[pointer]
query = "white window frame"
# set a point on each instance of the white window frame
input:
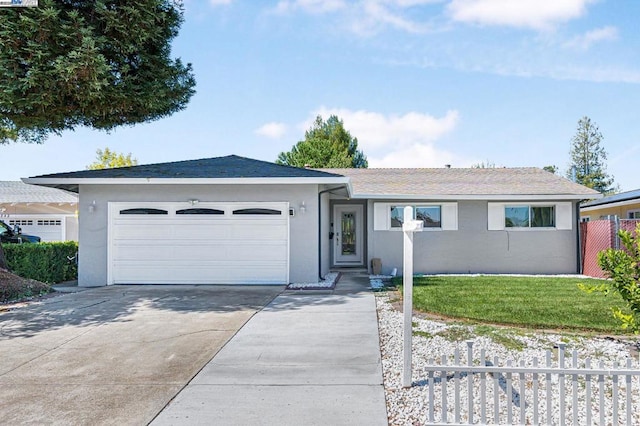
(530, 207)
(635, 213)
(585, 219)
(563, 219)
(448, 216)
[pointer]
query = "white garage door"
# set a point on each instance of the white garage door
(47, 228)
(205, 243)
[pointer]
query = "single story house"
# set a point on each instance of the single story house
(46, 212)
(625, 205)
(231, 219)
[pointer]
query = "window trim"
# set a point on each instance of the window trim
(635, 212)
(564, 216)
(415, 211)
(448, 215)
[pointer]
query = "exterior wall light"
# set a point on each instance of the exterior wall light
(302, 208)
(92, 206)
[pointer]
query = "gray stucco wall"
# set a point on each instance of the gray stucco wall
(325, 225)
(93, 227)
(474, 249)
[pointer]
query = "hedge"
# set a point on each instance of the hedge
(46, 262)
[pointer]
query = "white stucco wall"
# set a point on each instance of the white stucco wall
(93, 227)
(474, 249)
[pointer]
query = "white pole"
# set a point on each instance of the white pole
(407, 304)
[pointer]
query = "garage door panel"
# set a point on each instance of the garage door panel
(204, 273)
(191, 249)
(271, 251)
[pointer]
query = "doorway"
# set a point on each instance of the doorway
(348, 241)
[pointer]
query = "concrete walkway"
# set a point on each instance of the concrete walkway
(305, 359)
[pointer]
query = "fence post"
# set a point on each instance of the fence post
(561, 347)
(470, 379)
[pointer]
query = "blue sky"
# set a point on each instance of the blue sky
(420, 83)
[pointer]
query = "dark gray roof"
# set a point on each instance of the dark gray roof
(623, 196)
(18, 192)
(231, 166)
(458, 181)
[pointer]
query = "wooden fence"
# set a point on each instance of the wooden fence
(483, 392)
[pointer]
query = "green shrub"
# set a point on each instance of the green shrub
(46, 262)
(623, 268)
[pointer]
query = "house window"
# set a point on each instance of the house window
(585, 219)
(20, 222)
(529, 217)
(633, 214)
(49, 222)
(429, 215)
(143, 211)
(257, 211)
(199, 211)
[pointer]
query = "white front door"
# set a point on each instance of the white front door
(348, 231)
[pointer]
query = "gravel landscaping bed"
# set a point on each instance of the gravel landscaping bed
(433, 339)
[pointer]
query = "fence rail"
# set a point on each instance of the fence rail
(532, 394)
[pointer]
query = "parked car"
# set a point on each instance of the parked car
(15, 235)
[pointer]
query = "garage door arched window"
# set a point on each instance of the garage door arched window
(200, 211)
(256, 211)
(143, 211)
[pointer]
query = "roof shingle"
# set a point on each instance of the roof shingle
(18, 192)
(461, 181)
(231, 166)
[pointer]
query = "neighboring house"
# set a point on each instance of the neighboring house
(625, 205)
(46, 212)
(234, 220)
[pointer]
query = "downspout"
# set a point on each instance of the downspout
(320, 228)
(578, 239)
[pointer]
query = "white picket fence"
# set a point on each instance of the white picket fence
(571, 392)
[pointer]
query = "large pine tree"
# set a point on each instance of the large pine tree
(327, 144)
(588, 157)
(95, 63)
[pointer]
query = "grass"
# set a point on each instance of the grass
(529, 302)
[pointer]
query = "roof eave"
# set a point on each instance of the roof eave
(599, 206)
(72, 184)
(496, 197)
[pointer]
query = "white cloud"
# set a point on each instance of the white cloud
(272, 130)
(397, 140)
(310, 6)
(220, 2)
(586, 40)
(364, 17)
(536, 14)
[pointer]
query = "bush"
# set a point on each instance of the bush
(46, 262)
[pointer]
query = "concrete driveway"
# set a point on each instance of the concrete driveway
(114, 355)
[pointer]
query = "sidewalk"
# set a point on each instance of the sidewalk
(305, 359)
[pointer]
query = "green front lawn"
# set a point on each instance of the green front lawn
(531, 302)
